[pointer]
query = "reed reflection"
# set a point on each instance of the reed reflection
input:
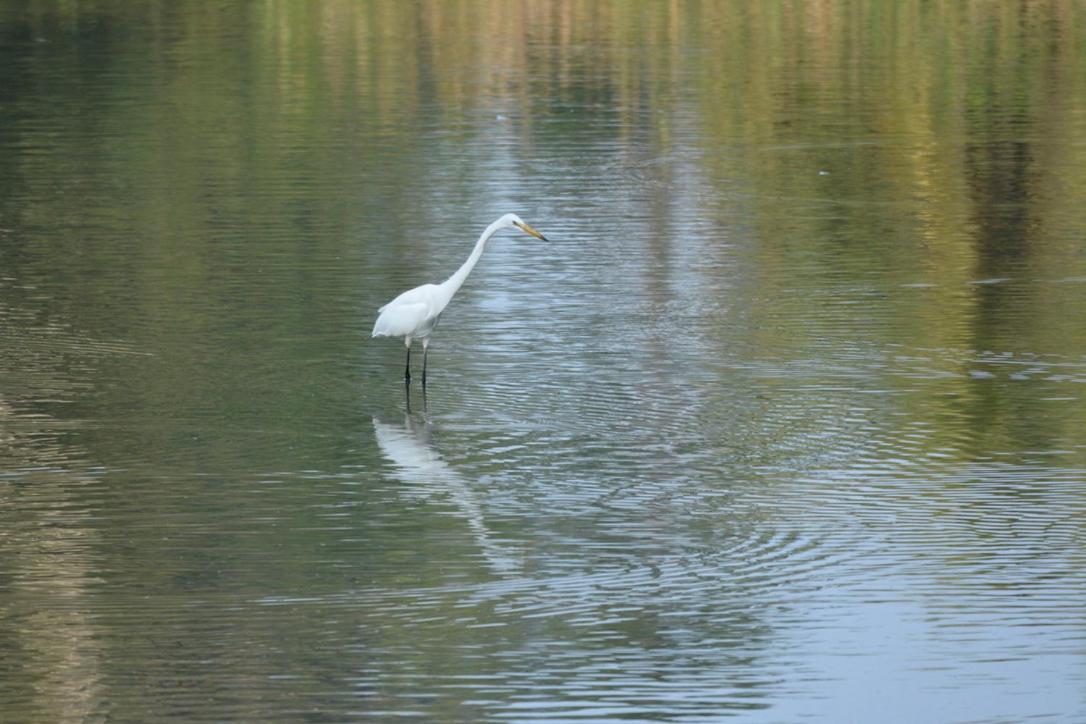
(52, 669)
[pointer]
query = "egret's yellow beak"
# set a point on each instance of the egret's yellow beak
(529, 230)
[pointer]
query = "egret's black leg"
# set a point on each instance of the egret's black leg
(407, 368)
(425, 349)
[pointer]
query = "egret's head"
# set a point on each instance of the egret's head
(514, 220)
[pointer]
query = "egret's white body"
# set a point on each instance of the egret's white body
(414, 314)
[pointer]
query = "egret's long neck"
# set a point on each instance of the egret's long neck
(454, 282)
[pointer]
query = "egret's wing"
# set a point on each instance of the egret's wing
(406, 313)
(424, 294)
(399, 319)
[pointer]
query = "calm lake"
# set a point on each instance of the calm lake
(787, 421)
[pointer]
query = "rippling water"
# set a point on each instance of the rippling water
(786, 422)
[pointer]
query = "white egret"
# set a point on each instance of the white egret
(414, 314)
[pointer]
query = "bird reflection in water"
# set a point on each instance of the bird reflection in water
(407, 402)
(429, 477)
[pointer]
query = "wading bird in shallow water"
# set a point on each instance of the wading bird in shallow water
(414, 314)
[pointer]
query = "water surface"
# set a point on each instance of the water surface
(786, 423)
